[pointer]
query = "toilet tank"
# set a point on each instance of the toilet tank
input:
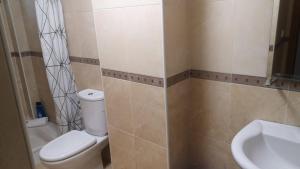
(93, 111)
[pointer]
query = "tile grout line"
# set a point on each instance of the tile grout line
(134, 136)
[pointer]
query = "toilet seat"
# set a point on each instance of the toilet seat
(67, 146)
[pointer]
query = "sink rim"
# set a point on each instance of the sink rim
(260, 127)
(251, 130)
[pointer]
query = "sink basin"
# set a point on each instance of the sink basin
(267, 145)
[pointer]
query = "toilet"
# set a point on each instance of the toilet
(80, 149)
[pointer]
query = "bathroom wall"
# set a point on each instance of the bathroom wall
(28, 59)
(21, 37)
(228, 37)
(229, 44)
(12, 132)
(130, 43)
(35, 78)
(81, 36)
(178, 61)
(82, 47)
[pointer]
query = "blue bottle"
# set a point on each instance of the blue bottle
(40, 110)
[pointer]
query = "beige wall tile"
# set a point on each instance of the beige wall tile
(211, 104)
(150, 156)
(211, 154)
(176, 37)
(14, 148)
(31, 81)
(117, 99)
(77, 6)
(179, 109)
(81, 34)
(18, 24)
(252, 36)
(211, 34)
(21, 88)
(227, 36)
(131, 39)
(25, 24)
(30, 23)
(87, 76)
(250, 103)
(293, 111)
(107, 4)
(122, 146)
(222, 107)
(43, 87)
(149, 115)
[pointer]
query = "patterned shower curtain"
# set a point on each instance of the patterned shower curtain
(57, 63)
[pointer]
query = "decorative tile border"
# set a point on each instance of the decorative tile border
(149, 80)
(200, 74)
(27, 53)
(281, 84)
(90, 61)
(248, 80)
(178, 78)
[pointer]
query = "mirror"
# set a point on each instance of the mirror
(286, 49)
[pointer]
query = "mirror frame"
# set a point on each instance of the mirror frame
(276, 6)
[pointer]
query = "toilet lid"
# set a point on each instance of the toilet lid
(67, 146)
(91, 95)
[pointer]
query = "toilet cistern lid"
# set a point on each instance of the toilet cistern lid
(91, 95)
(67, 146)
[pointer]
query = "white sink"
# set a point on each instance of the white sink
(267, 145)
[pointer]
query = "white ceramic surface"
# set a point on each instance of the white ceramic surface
(67, 146)
(91, 95)
(89, 158)
(267, 145)
(93, 111)
(40, 136)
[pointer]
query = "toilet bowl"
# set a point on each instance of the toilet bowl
(80, 149)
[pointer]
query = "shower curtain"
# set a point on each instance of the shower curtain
(57, 63)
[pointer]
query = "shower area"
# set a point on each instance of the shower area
(35, 37)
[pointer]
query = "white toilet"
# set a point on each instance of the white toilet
(80, 149)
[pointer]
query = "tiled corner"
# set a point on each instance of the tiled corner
(179, 109)
(208, 75)
(178, 78)
(211, 105)
(176, 36)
